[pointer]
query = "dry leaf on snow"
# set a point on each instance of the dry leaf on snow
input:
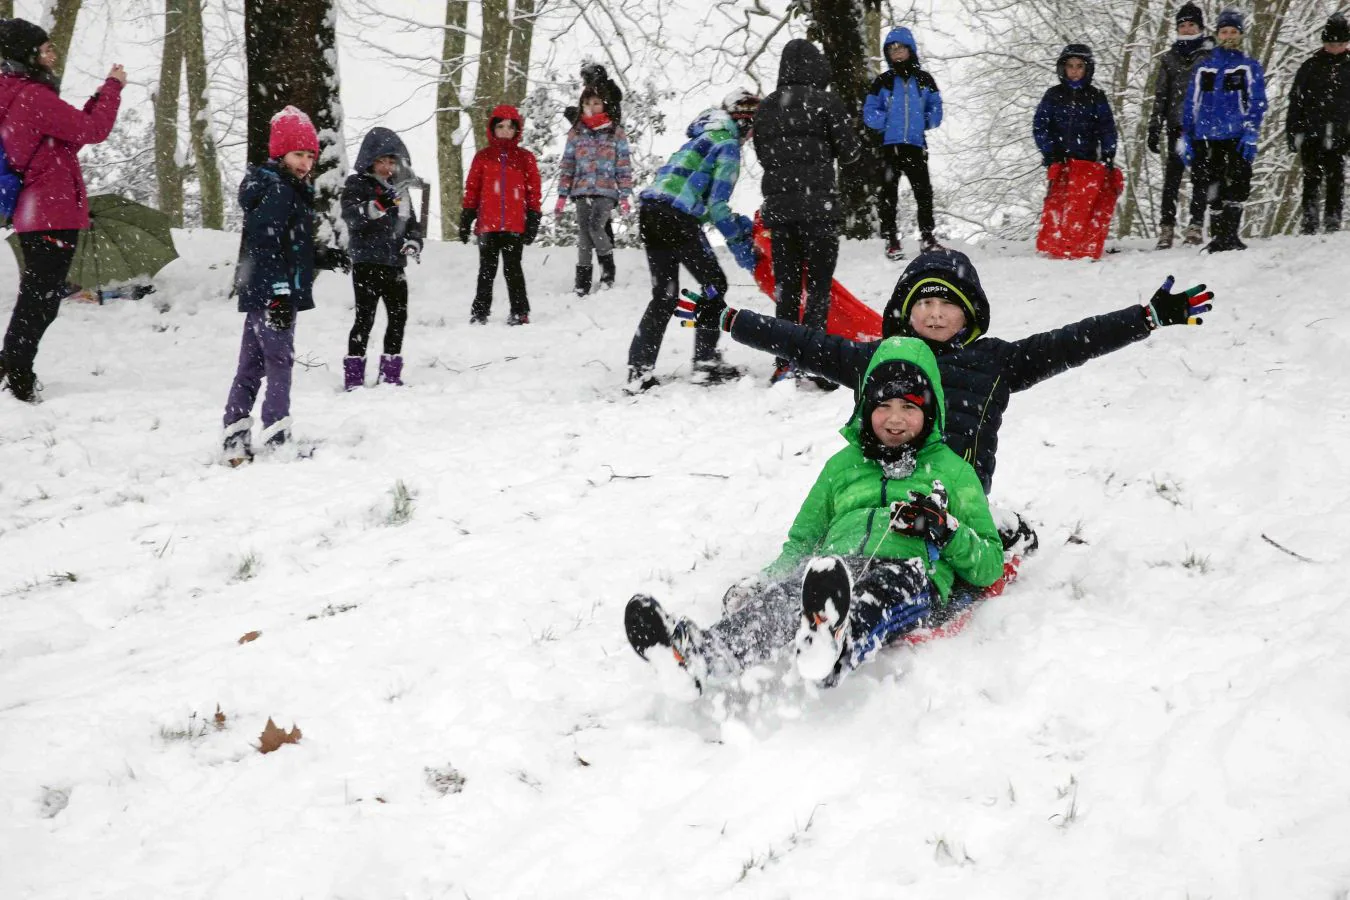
(250, 637)
(273, 737)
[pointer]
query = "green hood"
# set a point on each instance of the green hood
(902, 350)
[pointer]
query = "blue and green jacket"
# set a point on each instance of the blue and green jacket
(699, 178)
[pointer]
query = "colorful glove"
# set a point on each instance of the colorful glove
(708, 311)
(280, 313)
(560, 206)
(1166, 308)
(1247, 147)
(1185, 152)
(744, 252)
(925, 516)
(624, 206)
(412, 248)
(466, 224)
(531, 225)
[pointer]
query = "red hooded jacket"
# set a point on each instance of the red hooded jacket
(503, 180)
(42, 135)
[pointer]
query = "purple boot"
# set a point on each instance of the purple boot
(391, 370)
(353, 372)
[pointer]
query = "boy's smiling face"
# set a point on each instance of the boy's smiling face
(896, 421)
(936, 319)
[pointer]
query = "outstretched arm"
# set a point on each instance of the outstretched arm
(818, 353)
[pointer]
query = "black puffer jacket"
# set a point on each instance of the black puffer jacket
(979, 377)
(1169, 88)
(379, 239)
(800, 130)
(1319, 105)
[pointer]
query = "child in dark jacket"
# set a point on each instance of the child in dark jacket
(501, 195)
(1074, 119)
(383, 233)
(274, 280)
(1164, 125)
(595, 172)
(903, 104)
(893, 521)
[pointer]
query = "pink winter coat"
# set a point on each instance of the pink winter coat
(42, 135)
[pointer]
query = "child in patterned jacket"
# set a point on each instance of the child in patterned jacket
(597, 175)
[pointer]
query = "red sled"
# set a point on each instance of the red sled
(849, 317)
(964, 609)
(1079, 202)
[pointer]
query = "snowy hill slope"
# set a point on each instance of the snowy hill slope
(1159, 708)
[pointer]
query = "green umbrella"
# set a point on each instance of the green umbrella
(125, 240)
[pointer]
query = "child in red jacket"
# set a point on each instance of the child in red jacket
(502, 194)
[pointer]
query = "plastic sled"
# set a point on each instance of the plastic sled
(1080, 199)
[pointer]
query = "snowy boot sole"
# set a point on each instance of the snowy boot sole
(827, 589)
(653, 635)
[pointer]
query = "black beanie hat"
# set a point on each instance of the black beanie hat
(896, 378)
(20, 40)
(1337, 30)
(1189, 12)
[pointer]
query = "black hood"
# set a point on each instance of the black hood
(952, 267)
(1083, 52)
(803, 63)
(381, 142)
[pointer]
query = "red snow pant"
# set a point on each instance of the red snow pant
(1079, 201)
(849, 317)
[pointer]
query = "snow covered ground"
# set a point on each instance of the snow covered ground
(1158, 709)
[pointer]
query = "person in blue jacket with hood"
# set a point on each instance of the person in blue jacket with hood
(1074, 119)
(1221, 122)
(903, 104)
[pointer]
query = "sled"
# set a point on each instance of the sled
(1080, 199)
(849, 317)
(963, 608)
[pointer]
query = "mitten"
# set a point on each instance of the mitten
(1154, 140)
(1185, 152)
(925, 516)
(280, 313)
(1247, 147)
(560, 206)
(384, 201)
(332, 259)
(466, 224)
(412, 248)
(1166, 308)
(531, 225)
(744, 253)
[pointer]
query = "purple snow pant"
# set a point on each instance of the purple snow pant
(263, 353)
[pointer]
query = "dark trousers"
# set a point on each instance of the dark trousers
(510, 247)
(804, 257)
(1322, 164)
(47, 256)
(1173, 172)
(1226, 175)
(911, 162)
(673, 239)
(372, 284)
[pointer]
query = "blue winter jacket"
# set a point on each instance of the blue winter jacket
(1074, 121)
(903, 102)
(1226, 99)
(277, 255)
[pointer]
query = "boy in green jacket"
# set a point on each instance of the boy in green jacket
(893, 519)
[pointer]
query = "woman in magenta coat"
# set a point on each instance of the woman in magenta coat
(42, 135)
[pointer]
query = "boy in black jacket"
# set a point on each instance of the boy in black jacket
(383, 233)
(1318, 127)
(1169, 96)
(939, 299)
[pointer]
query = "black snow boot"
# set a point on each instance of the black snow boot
(1228, 222)
(606, 270)
(822, 635)
(583, 286)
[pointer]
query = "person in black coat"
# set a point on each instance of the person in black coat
(1169, 99)
(940, 300)
(1318, 126)
(382, 233)
(799, 131)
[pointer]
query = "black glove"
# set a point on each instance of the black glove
(1154, 141)
(531, 225)
(384, 201)
(1185, 308)
(925, 517)
(332, 259)
(280, 313)
(466, 224)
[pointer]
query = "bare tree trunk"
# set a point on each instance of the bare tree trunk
(199, 111)
(59, 21)
(292, 60)
(838, 26)
(449, 152)
(492, 57)
(1136, 150)
(6, 9)
(518, 58)
(168, 170)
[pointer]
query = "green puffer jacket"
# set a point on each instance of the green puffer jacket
(847, 512)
